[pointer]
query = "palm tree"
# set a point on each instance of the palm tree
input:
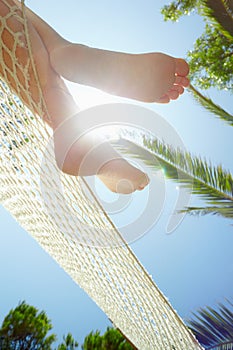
(213, 184)
(220, 14)
(213, 327)
(212, 51)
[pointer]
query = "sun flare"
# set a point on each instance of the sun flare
(87, 97)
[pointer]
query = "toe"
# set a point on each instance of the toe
(144, 182)
(173, 94)
(182, 67)
(177, 88)
(164, 99)
(183, 81)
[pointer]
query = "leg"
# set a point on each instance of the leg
(153, 77)
(16, 58)
(15, 53)
(60, 106)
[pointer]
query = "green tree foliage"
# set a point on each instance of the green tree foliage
(92, 341)
(178, 8)
(213, 327)
(68, 343)
(112, 339)
(211, 59)
(24, 328)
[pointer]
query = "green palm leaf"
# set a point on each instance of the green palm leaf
(213, 328)
(213, 184)
(226, 212)
(210, 106)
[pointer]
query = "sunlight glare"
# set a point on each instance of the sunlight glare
(87, 97)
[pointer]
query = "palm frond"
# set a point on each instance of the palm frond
(219, 12)
(213, 327)
(210, 106)
(222, 346)
(226, 212)
(213, 184)
(209, 181)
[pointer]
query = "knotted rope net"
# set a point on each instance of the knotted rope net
(61, 213)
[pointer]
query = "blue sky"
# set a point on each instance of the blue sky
(193, 266)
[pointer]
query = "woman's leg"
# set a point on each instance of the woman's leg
(152, 77)
(108, 165)
(15, 53)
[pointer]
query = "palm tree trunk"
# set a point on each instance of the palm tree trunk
(222, 12)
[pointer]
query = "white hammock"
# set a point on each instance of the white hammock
(69, 223)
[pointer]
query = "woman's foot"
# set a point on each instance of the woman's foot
(87, 155)
(81, 153)
(150, 77)
(126, 179)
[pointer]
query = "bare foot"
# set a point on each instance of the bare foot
(150, 77)
(86, 154)
(126, 179)
(85, 158)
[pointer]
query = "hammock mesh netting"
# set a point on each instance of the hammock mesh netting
(61, 213)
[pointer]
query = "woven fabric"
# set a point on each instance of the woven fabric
(61, 213)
